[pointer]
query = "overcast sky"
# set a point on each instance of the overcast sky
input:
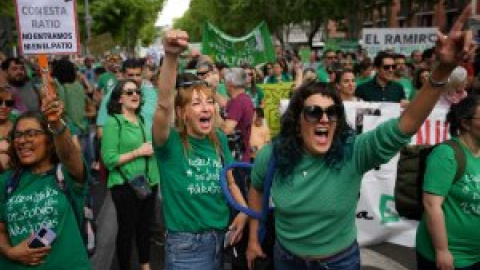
(172, 9)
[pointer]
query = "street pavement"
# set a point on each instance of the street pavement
(383, 256)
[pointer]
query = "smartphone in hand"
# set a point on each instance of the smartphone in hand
(44, 237)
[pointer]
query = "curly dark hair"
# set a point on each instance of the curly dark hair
(41, 119)
(114, 106)
(288, 144)
(464, 110)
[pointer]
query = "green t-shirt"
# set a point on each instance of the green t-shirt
(192, 197)
(116, 142)
(407, 87)
(461, 206)
(222, 89)
(106, 82)
(73, 95)
(257, 97)
(315, 206)
(359, 80)
(322, 75)
(38, 200)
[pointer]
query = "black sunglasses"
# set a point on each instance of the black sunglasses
(199, 73)
(130, 92)
(314, 113)
(385, 67)
(7, 102)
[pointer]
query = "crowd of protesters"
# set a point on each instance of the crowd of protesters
(178, 122)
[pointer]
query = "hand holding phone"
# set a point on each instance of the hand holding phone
(44, 237)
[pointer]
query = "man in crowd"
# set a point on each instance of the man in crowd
(238, 114)
(382, 88)
(329, 59)
(26, 96)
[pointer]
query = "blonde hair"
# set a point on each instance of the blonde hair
(182, 99)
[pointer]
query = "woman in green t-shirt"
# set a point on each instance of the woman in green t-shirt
(35, 198)
(127, 153)
(190, 158)
(448, 236)
(320, 162)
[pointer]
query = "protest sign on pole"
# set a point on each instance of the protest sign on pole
(253, 48)
(400, 40)
(274, 93)
(47, 27)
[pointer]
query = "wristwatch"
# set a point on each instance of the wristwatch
(436, 84)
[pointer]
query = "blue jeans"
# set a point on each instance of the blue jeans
(194, 251)
(348, 259)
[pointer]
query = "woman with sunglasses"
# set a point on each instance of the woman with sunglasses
(190, 157)
(319, 164)
(35, 198)
(6, 125)
(127, 152)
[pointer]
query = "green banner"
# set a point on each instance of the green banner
(346, 45)
(254, 48)
(273, 94)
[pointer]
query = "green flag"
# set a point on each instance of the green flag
(254, 48)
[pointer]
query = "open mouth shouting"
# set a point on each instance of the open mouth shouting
(206, 123)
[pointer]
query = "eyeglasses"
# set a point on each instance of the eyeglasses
(314, 113)
(130, 92)
(191, 83)
(249, 74)
(389, 67)
(7, 102)
(29, 134)
(331, 57)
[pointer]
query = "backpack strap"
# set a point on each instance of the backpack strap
(459, 157)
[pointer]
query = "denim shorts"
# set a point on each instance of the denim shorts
(193, 251)
(348, 259)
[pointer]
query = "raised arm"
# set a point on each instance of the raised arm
(450, 51)
(69, 154)
(175, 42)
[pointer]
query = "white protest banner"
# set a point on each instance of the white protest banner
(401, 40)
(47, 27)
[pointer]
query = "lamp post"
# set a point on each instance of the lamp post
(88, 25)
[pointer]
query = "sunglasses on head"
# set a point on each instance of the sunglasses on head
(389, 67)
(7, 102)
(315, 113)
(191, 83)
(130, 92)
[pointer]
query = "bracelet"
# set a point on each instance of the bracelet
(436, 84)
(56, 132)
